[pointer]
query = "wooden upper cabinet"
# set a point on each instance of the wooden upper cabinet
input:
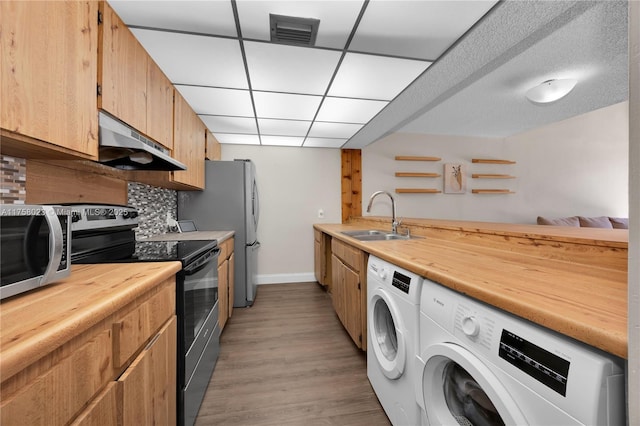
(132, 86)
(49, 73)
(213, 150)
(189, 144)
(159, 105)
(123, 71)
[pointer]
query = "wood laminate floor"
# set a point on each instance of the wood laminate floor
(287, 360)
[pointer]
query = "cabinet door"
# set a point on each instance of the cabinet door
(122, 72)
(346, 298)
(148, 387)
(317, 260)
(102, 411)
(223, 293)
(188, 147)
(159, 106)
(213, 150)
(353, 318)
(232, 281)
(49, 72)
(338, 295)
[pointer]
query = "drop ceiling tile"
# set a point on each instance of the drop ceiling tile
(283, 127)
(291, 69)
(337, 18)
(194, 59)
(214, 101)
(347, 110)
(324, 142)
(207, 17)
(286, 106)
(282, 140)
(374, 77)
(416, 29)
(236, 139)
(224, 124)
(333, 130)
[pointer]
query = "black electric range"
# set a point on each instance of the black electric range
(106, 234)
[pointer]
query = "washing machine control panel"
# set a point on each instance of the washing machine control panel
(537, 362)
(401, 282)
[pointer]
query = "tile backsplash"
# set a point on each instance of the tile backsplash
(154, 205)
(14, 180)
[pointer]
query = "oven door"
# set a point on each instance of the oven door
(199, 343)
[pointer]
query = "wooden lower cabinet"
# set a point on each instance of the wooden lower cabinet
(223, 293)
(147, 389)
(349, 290)
(232, 281)
(322, 258)
(226, 282)
(103, 410)
(122, 371)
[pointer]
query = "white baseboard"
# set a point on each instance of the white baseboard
(286, 278)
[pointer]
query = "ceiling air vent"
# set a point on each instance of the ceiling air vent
(293, 30)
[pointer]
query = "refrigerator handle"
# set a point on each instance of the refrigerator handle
(256, 206)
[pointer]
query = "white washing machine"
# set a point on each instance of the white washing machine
(482, 366)
(393, 309)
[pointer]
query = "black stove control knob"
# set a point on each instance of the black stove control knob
(75, 217)
(125, 214)
(133, 214)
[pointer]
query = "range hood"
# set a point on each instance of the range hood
(124, 148)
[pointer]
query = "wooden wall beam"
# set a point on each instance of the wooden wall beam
(351, 183)
(59, 181)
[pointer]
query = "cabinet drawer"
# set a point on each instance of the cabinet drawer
(351, 256)
(102, 411)
(136, 327)
(46, 402)
(226, 248)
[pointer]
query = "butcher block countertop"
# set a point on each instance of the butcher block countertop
(219, 236)
(588, 303)
(35, 323)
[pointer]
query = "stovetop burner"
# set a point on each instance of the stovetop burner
(183, 251)
(105, 234)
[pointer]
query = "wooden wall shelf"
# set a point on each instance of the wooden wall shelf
(491, 176)
(412, 158)
(417, 174)
(417, 191)
(492, 191)
(490, 161)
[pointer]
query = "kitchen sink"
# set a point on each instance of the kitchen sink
(362, 232)
(376, 235)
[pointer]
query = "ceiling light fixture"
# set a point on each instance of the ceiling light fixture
(550, 90)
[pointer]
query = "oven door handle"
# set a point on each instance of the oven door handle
(202, 262)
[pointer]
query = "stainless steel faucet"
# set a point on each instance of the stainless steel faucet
(394, 222)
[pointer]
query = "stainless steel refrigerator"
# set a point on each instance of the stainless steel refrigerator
(229, 202)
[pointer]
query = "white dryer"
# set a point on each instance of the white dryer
(393, 308)
(483, 366)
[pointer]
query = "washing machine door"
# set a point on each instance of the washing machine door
(386, 333)
(458, 388)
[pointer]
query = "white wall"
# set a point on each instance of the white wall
(577, 166)
(293, 184)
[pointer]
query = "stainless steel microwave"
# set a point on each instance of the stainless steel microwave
(36, 246)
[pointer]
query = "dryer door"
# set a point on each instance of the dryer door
(457, 388)
(386, 333)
